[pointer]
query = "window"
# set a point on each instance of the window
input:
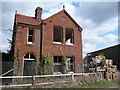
(30, 36)
(69, 36)
(29, 56)
(57, 38)
(57, 63)
(70, 64)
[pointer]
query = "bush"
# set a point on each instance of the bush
(45, 66)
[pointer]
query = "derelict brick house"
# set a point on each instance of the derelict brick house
(61, 35)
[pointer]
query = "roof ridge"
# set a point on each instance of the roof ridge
(67, 15)
(53, 15)
(24, 15)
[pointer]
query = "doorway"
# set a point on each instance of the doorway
(29, 65)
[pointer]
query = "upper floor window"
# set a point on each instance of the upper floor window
(57, 38)
(30, 36)
(69, 36)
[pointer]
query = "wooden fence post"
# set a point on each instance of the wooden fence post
(96, 76)
(33, 80)
(72, 77)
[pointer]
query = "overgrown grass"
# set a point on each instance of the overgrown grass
(101, 84)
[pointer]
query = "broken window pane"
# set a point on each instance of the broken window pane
(57, 34)
(70, 64)
(69, 36)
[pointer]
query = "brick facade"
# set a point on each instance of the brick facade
(63, 19)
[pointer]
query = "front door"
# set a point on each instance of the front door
(29, 65)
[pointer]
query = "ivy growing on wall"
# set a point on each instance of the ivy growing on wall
(16, 63)
(45, 66)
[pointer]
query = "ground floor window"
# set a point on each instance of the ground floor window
(69, 63)
(57, 63)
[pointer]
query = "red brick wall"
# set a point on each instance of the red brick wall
(63, 49)
(48, 47)
(24, 48)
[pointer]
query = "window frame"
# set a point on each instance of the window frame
(66, 36)
(69, 64)
(57, 64)
(56, 42)
(28, 35)
(27, 59)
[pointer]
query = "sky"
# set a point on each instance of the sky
(99, 21)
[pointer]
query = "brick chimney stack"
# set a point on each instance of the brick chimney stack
(38, 13)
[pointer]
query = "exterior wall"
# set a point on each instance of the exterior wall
(62, 49)
(23, 47)
(60, 19)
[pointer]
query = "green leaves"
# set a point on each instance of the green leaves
(45, 66)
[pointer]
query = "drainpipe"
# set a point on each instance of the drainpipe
(41, 37)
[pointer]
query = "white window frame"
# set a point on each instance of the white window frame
(28, 42)
(57, 65)
(69, 64)
(72, 37)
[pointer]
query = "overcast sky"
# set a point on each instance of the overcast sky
(99, 20)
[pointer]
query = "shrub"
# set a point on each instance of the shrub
(45, 66)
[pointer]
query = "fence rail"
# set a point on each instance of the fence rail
(18, 81)
(7, 72)
(85, 74)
